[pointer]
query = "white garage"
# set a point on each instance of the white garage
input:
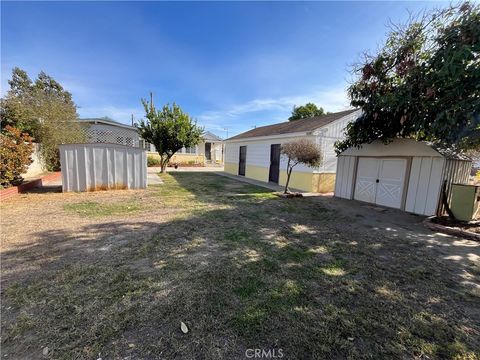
(405, 174)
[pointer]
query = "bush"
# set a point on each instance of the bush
(153, 161)
(16, 149)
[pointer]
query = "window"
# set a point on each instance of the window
(191, 150)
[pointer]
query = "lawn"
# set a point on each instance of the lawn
(112, 275)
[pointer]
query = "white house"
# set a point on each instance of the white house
(405, 174)
(208, 151)
(105, 130)
(256, 153)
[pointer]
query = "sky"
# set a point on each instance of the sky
(230, 65)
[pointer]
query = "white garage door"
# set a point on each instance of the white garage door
(380, 181)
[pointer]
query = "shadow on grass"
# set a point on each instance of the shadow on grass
(248, 270)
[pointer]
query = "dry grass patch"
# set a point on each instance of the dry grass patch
(240, 266)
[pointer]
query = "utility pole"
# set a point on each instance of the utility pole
(132, 120)
(151, 101)
(226, 129)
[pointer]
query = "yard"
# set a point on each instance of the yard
(112, 274)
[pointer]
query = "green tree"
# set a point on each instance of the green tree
(423, 84)
(306, 111)
(168, 129)
(43, 109)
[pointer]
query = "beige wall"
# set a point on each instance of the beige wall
(36, 167)
(310, 182)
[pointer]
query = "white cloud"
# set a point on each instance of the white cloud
(236, 117)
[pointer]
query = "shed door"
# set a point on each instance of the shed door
(380, 181)
(366, 187)
(242, 160)
(274, 163)
(391, 178)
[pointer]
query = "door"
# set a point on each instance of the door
(380, 181)
(242, 160)
(208, 151)
(366, 187)
(391, 179)
(274, 163)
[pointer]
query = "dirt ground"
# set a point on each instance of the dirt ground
(112, 274)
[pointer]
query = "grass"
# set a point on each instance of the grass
(97, 209)
(243, 269)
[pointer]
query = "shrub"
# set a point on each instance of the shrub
(300, 151)
(153, 161)
(16, 149)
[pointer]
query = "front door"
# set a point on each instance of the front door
(274, 163)
(380, 181)
(242, 160)
(208, 151)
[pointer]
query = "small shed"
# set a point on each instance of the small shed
(90, 167)
(404, 174)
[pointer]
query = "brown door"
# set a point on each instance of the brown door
(274, 163)
(242, 160)
(208, 151)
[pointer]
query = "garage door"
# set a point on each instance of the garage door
(380, 181)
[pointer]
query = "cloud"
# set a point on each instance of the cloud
(237, 116)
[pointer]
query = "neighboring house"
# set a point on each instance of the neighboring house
(256, 153)
(405, 174)
(208, 151)
(105, 130)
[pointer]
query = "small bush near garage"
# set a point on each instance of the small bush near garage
(153, 161)
(16, 149)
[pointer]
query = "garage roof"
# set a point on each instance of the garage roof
(302, 125)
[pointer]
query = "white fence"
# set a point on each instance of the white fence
(91, 167)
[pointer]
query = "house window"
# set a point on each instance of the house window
(191, 150)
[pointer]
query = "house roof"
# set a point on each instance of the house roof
(207, 135)
(302, 125)
(107, 121)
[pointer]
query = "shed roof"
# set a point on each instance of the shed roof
(302, 125)
(404, 147)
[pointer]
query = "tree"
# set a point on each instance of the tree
(301, 151)
(306, 111)
(15, 153)
(168, 130)
(43, 109)
(423, 83)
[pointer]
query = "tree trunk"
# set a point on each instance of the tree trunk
(289, 172)
(163, 164)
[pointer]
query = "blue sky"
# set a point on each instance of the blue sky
(231, 65)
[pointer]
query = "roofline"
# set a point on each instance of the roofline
(297, 133)
(277, 136)
(108, 122)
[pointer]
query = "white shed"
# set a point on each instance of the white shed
(405, 174)
(90, 167)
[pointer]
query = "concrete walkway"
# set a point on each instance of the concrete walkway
(270, 186)
(152, 176)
